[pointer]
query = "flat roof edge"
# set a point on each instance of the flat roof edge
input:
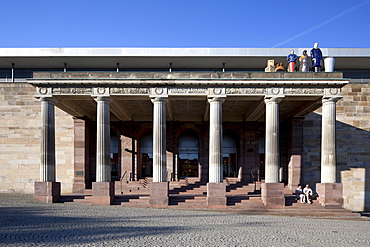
(174, 52)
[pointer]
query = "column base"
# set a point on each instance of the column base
(78, 187)
(216, 195)
(330, 195)
(102, 193)
(159, 195)
(47, 192)
(272, 195)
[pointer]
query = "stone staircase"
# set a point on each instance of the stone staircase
(195, 188)
(78, 199)
(194, 196)
(141, 186)
(314, 210)
(184, 201)
(132, 200)
(184, 194)
(191, 194)
(244, 202)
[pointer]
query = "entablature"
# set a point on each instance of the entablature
(301, 93)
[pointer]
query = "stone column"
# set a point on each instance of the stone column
(272, 191)
(47, 190)
(159, 186)
(216, 189)
(103, 188)
(328, 151)
(272, 158)
(330, 192)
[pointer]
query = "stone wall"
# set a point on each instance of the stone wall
(20, 131)
(353, 146)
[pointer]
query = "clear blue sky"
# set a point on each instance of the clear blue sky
(189, 23)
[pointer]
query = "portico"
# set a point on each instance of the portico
(248, 108)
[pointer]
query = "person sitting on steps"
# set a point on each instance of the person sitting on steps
(308, 193)
(299, 194)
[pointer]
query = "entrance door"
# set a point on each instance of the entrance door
(188, 155)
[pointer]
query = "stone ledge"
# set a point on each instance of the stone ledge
(186, 75)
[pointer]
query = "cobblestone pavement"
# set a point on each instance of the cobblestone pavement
(24, 223)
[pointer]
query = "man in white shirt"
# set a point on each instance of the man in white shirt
(307, 191)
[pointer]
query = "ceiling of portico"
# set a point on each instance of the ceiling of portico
(235, 109)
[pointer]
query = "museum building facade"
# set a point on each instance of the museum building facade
(194, 122)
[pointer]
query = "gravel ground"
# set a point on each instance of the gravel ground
(26, 223)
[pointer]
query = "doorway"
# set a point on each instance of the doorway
(146, 155)
(188, 154)
(114, 160)
(229, 154)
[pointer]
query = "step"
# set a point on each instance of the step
(247, 204)
(318, 214)
(88, 191)
(245, 208)
(135, 204)
(188, 207)
(306, 206)
(240, 190)
(85, 200)
(192, 193)
(247, 192)
(135, 201)
(195, 200)
(144, 200)
(129, 191)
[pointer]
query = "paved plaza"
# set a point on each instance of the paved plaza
(25, 223)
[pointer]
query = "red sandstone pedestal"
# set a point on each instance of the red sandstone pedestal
(47, 192)
(216, 195)
(102, 193)
(159, 194)
(78, 187)
(273, 195)
(330, 194)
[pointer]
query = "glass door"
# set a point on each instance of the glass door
(188, 155)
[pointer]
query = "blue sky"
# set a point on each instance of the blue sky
(189, 23)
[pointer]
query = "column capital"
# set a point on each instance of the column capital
(331, 98)
(50, 99)
(107, 99)
(220, 99)
(273, 99)
(159, 99)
